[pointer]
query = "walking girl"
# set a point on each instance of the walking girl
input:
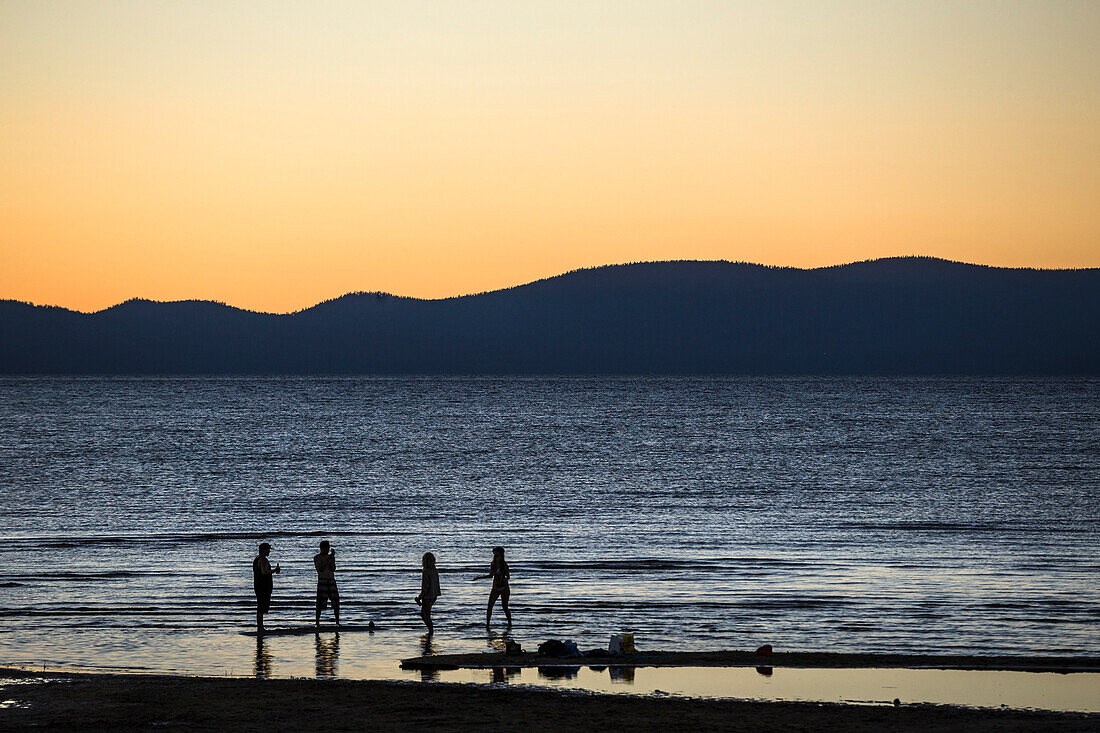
(498, 571)
(429, 589)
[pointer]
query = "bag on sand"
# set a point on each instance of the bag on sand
(621, 644)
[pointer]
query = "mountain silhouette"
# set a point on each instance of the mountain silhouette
(909, 315)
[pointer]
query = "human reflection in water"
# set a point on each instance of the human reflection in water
(262, 666)
(328, 654)
(497, 641)
(622, 675)
(502, 675)
(427, 648)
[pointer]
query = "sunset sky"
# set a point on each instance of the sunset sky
(274, 154)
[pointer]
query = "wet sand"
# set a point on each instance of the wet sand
(148, 702)
(752, 659)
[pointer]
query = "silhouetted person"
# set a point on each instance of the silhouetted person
(429, 590)
(325, 562)
(498, 571)
(263, 584)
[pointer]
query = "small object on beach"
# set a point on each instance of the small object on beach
(764, 650)
(512, 648)
(897, 702)
(621, 644)
(558, 648)
(371, 626)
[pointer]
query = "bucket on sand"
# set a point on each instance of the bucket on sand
(621, 644)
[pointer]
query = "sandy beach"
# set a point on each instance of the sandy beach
(138, 702)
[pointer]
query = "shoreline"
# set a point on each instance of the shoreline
(731, 658)
(110, 701)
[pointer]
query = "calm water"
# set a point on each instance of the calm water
(903, 515)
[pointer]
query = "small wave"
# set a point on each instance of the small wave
(924, 526)
(692, 606)
(101, 575)
(179, 538)
(646, 564)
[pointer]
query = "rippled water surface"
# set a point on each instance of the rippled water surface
(905, 515)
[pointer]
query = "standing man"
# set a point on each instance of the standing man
(325, 562)
(262, 584)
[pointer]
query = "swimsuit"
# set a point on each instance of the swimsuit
(326, 581)
(326, 591)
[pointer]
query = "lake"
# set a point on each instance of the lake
(948, 515)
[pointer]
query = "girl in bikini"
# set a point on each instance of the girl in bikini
(498, 571)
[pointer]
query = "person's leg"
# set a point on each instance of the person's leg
(504, 604)
(492, 600)
(426, 613)
(263, 602)
(334, 594)
(322, 598)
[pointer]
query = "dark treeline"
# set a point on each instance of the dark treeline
(892, 316)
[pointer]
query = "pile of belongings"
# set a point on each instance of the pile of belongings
(621, 644)
(557, 648)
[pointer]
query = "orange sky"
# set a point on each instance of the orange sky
(272, 155)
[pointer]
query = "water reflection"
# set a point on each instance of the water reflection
(558, 673)
(262, 665)
(1078, 692)
(497, 641)
(428, 648)
(328, 654)
(622, 675)
(503, 675)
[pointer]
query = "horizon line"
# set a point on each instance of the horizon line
(380, 293)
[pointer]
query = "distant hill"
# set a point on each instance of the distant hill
(911, 315)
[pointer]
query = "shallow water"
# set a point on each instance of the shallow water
(1038, 691)
(894, 515)
(1075, 692)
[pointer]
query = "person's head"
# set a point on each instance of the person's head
(428, 560)
(498, 554)
(265, 549)
(324, 547)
